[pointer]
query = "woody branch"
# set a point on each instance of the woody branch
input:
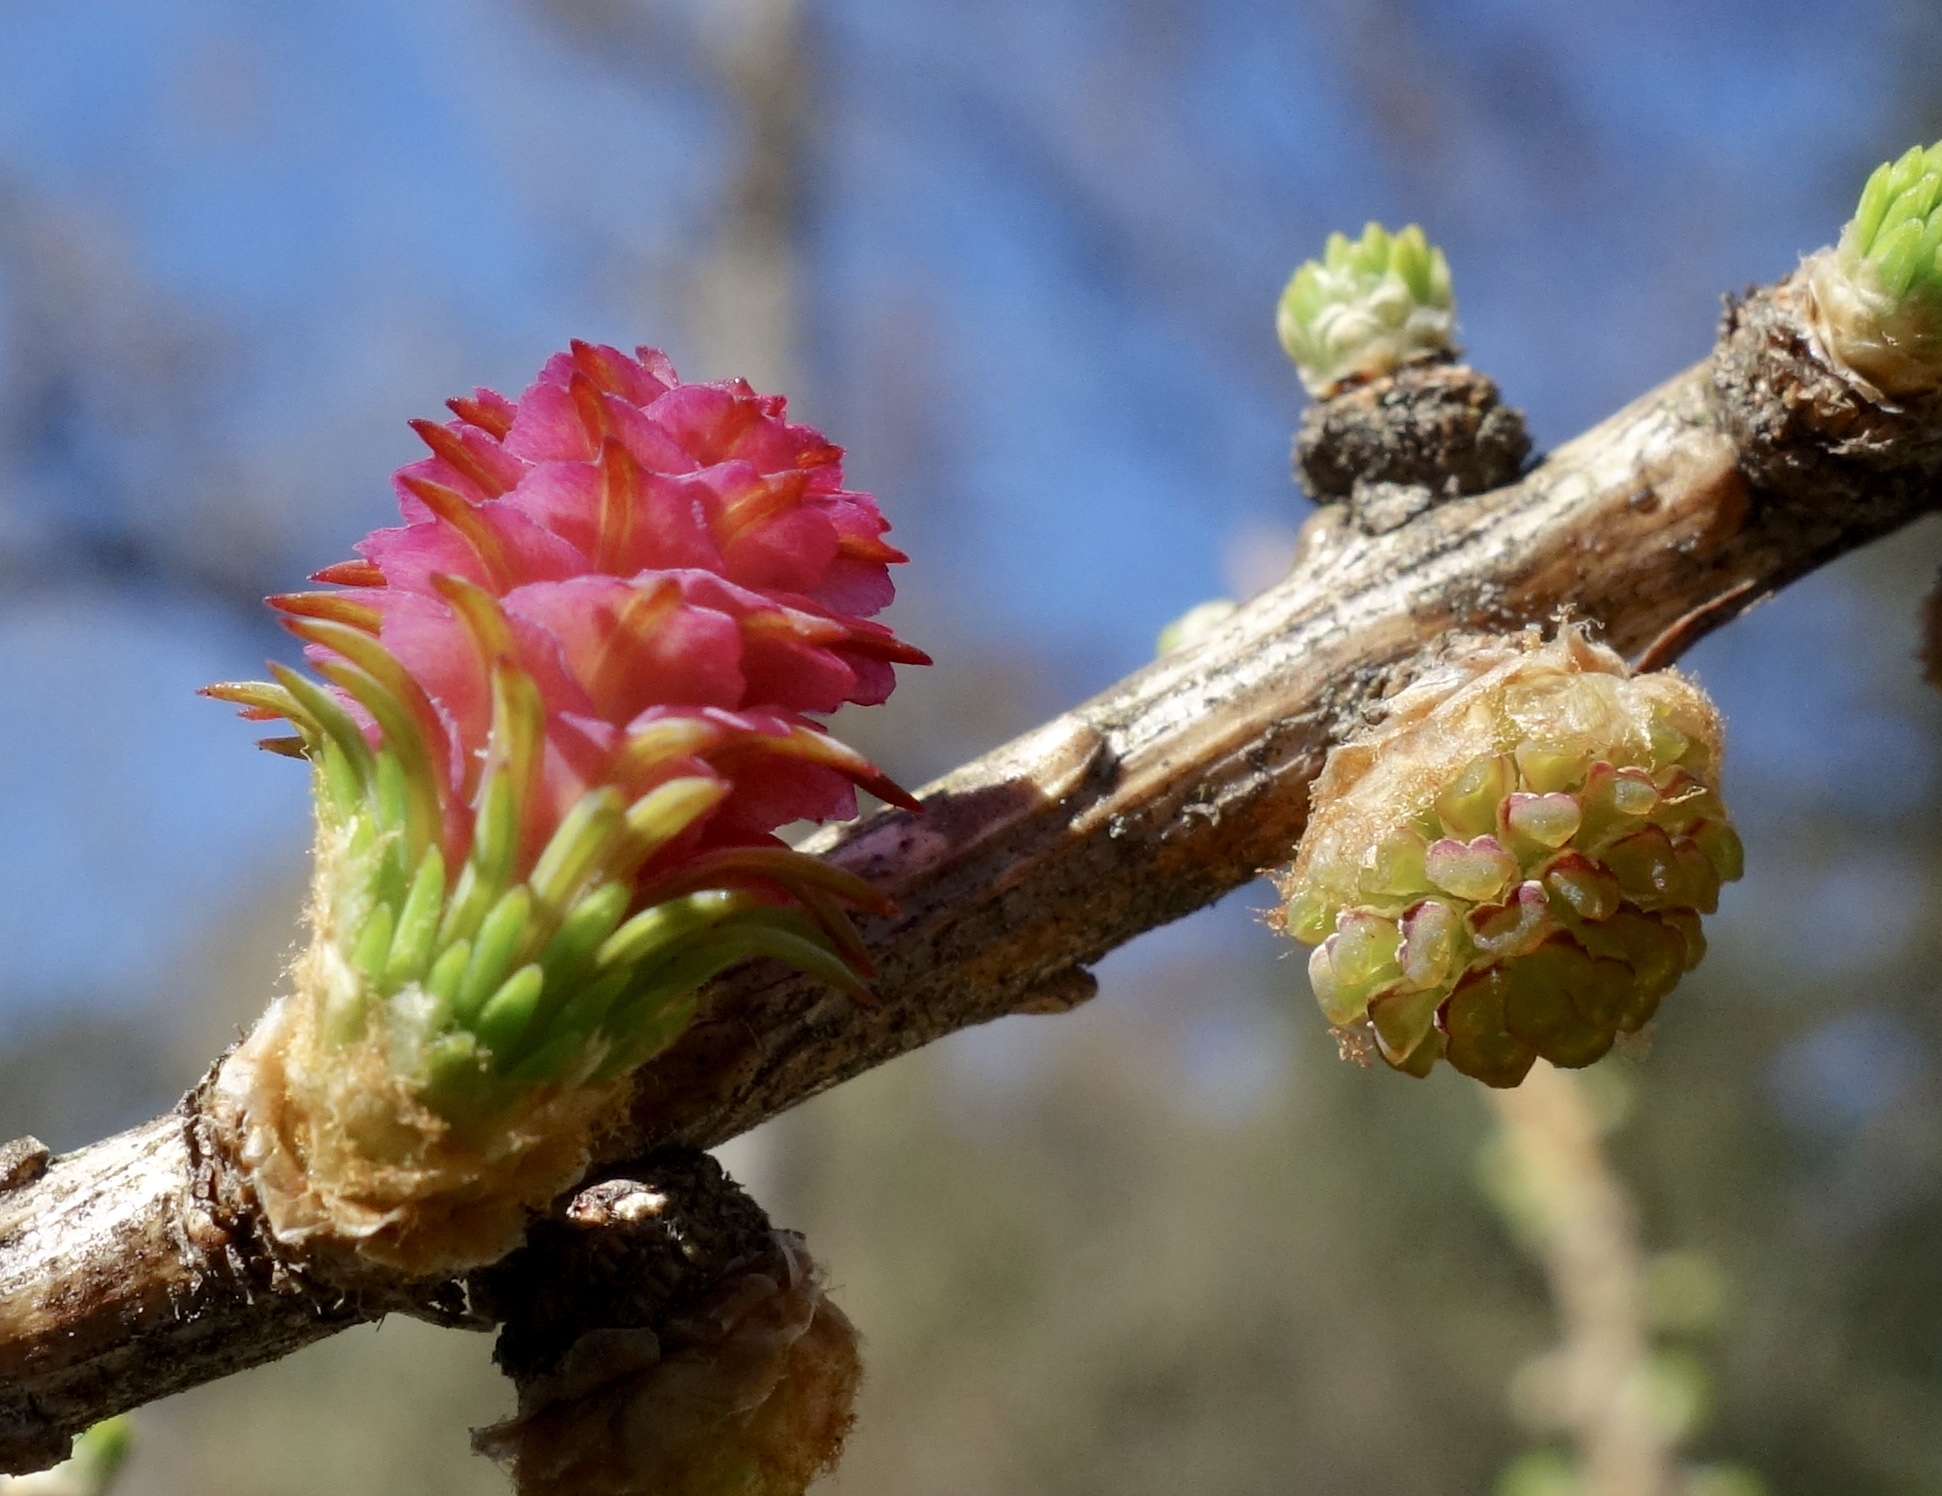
(137, 1267)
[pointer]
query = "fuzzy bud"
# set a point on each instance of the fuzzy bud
(1875, 299)
(1367, 307)
(564, 709)
(1513, 863)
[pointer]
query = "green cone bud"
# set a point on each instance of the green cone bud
(1875, 299)
(1368, 306)
(1514, 863)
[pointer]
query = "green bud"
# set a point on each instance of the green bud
(1646, 867)
(661, 926)
(1467, 807)
(470, 899)
(1403, 1021)
(1584, 887)
(1891, 227)
(1309, 916)
(496, 839)
(664, 813)
(448, 971)
(1363, 950)
(1876, 297)
(586, 925)
(576, 848)
(1539, 1005)
(1479, 1043)
(374, 943)
(1545, 820)
(1431, 935)
(1721, 844)
(1549, 767)
(1505, 931)
(1477, 870)
(1367, 307)
(1398, 868)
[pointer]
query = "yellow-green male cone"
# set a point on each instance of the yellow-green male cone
(1515, 861)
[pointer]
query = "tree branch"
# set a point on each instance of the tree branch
(135, 1267)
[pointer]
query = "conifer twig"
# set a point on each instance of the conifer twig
(136, 1267)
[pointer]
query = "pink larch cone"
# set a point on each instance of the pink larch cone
(571, 699)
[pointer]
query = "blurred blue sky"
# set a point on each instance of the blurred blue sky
(241, 243)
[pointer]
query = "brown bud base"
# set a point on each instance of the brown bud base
(1437, 426)
(350, 1163)
(1514, 862)
(666, 1340)
(1809, 427)
(351, 1168)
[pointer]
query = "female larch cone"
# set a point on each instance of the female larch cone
(566, 706)
(1514, 862)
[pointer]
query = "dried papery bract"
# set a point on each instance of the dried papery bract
(665, 1338)
(1874, 301)
(1514, 862)
(749, 1393)
(563, 710)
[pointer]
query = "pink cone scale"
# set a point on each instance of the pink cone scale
(563, 710)
(1514, 862)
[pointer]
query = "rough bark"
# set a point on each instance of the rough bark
(138, 1267)
(119, 1284)
(1190, 777)
(122, 1278)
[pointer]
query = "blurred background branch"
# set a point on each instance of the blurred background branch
(106, 393)
(1560, 1192)
(1625, 1384)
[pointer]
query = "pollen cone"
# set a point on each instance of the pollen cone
(1515, 861)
